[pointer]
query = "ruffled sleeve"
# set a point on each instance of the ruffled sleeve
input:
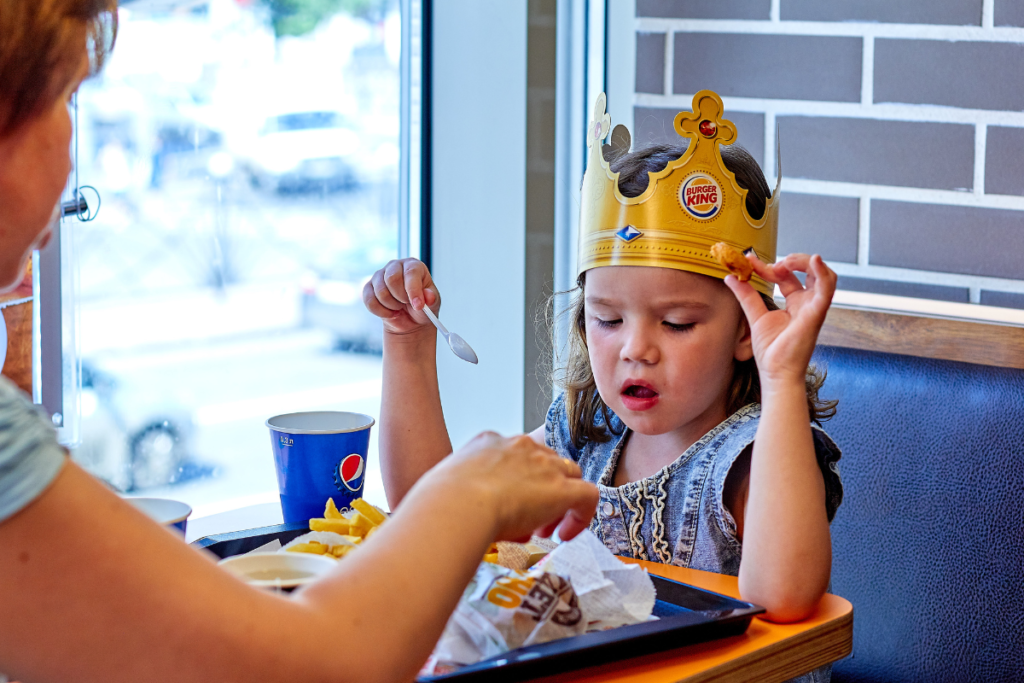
(556, 430)
(741, 437)
(828, 461)
(30, 456)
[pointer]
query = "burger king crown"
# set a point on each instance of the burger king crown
(687, 207)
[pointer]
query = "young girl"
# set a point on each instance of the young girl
(687, 395)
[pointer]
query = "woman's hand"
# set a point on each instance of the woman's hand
(397, 293)
(525, 486)
(784, 340)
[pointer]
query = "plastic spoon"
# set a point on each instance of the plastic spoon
(458, 345)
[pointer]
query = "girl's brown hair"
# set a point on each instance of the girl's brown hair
(582, 400)
(41, 48)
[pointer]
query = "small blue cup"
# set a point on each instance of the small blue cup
(173, 514)
(319, 455)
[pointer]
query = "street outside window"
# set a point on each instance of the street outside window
(247, 154)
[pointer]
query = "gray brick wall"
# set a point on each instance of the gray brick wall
(1009, 13)
(901, 125)
(952, 12)
(702, 9)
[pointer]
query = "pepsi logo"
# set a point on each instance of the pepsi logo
(350, 472)
(701, 196)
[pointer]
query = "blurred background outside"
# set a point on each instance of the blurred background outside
(247, 156)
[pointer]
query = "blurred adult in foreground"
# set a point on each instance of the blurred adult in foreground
(91, 590)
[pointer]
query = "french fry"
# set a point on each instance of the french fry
(340, 551)
(354, 539)
(312, 548)
(369, 511)
(331, 511)
(360, 524)
(491, 557)
(338, 526)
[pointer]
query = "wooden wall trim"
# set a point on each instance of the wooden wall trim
(981, 343)
(18, 363)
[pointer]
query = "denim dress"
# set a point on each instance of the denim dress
(677, 515)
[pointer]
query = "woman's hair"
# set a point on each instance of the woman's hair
(41, 48)
(582, 400)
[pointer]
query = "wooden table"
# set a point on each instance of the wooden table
(765, 653)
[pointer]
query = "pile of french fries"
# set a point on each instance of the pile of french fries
(354, 528)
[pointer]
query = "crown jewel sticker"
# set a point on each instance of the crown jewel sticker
(628, 234)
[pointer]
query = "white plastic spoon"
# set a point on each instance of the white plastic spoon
(458, 345)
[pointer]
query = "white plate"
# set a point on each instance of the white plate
(255, 568)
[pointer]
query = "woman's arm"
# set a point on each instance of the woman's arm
(413, 436)
(94, 591)
(787, 551)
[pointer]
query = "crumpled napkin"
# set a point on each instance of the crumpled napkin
(579, 587)
(611, 593)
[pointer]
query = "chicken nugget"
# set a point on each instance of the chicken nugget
(734, 261)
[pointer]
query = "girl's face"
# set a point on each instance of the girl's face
(35, 162)
(662, 344)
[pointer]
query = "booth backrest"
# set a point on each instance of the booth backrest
(928, 544)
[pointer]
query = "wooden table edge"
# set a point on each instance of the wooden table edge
(774, 662)
(745, 667)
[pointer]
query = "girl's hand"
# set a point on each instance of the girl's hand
(784, 340)
(525, 487)
(397, 293)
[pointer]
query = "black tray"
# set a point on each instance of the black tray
(686, 615)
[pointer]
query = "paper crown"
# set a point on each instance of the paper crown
(687, 207)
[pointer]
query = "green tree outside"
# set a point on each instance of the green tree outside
(299, 17)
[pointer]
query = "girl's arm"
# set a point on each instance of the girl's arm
(787, 551)
(93, 591)
(413, 436)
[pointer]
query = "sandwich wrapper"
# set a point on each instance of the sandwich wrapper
(579, 587)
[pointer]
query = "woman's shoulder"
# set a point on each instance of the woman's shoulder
(14, 402)
(30, 456)
(20, 420)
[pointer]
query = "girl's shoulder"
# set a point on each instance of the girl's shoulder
(557, 435)
(737, 434)
(558, 432)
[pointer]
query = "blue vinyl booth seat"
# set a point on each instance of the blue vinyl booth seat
(928, 544)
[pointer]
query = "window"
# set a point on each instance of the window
(249, 167)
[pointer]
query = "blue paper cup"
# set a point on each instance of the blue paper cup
(319, 455)
(173, 514)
